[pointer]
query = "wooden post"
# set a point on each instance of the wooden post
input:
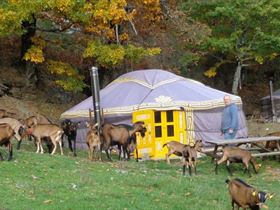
(272, 101)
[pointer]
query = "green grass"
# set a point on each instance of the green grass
(40, 181)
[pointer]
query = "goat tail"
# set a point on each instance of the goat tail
(227, 181)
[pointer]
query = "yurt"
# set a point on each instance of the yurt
(172, 107)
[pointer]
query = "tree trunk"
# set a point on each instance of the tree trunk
(26, 42)
(236, 79)
(30, 28)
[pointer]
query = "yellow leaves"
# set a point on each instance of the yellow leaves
(124, 37)
(61, 68)
(211, 72)
(70, 80)
(153, 51)
(259, 59)
(273, 56)
(112, 55)
(34, 54)
(63, 5)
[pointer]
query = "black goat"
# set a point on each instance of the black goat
(70, 131)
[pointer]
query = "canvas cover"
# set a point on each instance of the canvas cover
(160, 90)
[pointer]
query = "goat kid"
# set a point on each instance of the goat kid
(92, 140)
(6, 133)
(237, 155)
(245, 196)
(190, 156)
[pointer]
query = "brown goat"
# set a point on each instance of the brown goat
(175, 148)
(39, 119)
(6, 133)
(52, 131)
(119, 135)
(93, 140)
(3, 113)
(237, 155)
(245, 196)
(190, 156)
(16, 126)
(272, 145)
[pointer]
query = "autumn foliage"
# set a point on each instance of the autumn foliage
(103, 27)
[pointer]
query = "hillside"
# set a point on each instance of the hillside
(24, 101)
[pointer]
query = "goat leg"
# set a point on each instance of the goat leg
(108, 155)
(1, 157)
(194, 164)
(190, 169)
(216, 168)
(120, 151)
(137, 157)
(184, 169)
(70, 143)
(60, 146)
(74, 142)
(18, 144)
(10, 146)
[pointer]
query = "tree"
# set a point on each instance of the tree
(101, 29)
(243, 32)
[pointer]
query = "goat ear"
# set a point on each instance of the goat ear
(254, 193)
(270, 195)
(87, 124)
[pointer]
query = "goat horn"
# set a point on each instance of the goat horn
(254, 193)
(271, 195)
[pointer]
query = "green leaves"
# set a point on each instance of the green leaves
(242, 30)
(113, 54)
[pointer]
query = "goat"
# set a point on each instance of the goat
(190, 155)
(17, 127)
(237, 155)
(38, 119)
(119, 135)
(6, 133)
(177, 148)
(5, 113)
(272, 145)
(92, 140)
(70, 131)
(245, 196)
(51, 131)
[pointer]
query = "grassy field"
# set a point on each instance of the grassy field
(40, 181)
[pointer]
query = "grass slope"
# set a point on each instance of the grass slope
(36, 181)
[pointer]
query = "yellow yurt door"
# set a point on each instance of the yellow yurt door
(169, 126)
(162, 127)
